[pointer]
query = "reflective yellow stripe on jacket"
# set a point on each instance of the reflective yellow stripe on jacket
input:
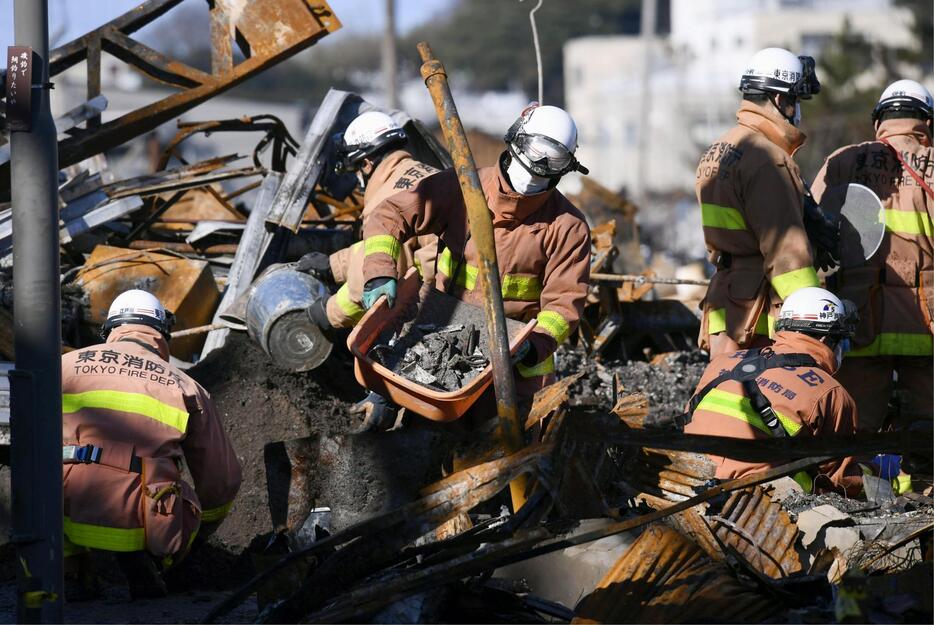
(554, 324)
(102, 537)
(136, 403)
(543, 368)
(909, 222)
(515, 288)
(716, 322)
(382, 243)
(787, 283)
(896, 344)
(739, 407)
(349, 307)
(716, 216)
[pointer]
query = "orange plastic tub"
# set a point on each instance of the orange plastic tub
(429, 403)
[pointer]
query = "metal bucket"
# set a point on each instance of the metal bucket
(276, 318)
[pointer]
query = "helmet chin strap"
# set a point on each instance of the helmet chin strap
(795, 118)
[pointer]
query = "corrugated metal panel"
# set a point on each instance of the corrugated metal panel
(669, 474)
(665, 578)
(750, 522)
(760, 530)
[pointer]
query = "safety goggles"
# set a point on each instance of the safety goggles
(808, 85)
(546, 157)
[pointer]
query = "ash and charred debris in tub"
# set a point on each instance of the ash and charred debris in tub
(442, 358)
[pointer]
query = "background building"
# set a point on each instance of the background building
(690, 94)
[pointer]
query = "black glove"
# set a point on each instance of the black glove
(824, 233)
(526, 354)
(379, 413)
(317, 264)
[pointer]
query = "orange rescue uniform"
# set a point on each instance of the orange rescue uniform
(542, 246)
(894, 334)
(751, 198)
(125, 398)
(807, 400)
(398, 171)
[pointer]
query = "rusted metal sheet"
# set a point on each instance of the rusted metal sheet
(659, 477)
(266, 31)
(550, 399)
(760, 530)
(632, 409)
(750, 523)
(665, 578)
(184, 286)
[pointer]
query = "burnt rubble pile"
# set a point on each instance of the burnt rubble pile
(443, 359)
(667, 382)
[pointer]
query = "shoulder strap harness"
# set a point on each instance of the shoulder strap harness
(746, 371)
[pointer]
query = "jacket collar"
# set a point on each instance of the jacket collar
(143, 334)
(507, 206)
(904, 127)
(387, 165)
(797, 343)
(767, 121)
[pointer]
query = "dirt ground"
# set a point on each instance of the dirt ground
(261, 404)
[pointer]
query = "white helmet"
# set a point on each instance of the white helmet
(905, 95)
(779, 71)
(817, 311)
(140, 307)
(367, 135)
(543, 139)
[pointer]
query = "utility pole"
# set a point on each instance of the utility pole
(390, 59)
(36, 461)
(647, 36)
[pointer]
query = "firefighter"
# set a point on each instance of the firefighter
(373, 147)
(786, 389)
(751, 198)
(893, 289)
(542, 240)
(129, 418)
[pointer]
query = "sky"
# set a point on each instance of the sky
(69, 19)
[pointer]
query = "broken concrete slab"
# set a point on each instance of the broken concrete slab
(582, 567)
(812, 524)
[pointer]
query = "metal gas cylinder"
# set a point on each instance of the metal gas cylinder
(276, 318)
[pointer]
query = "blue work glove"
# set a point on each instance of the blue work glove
(376, 287)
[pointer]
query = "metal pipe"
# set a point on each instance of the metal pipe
(481, 231)
(199, 330)
(184, 248)
(36, 463)
(614, 277)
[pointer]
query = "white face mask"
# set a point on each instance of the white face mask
(796, 120)
(524, 181)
